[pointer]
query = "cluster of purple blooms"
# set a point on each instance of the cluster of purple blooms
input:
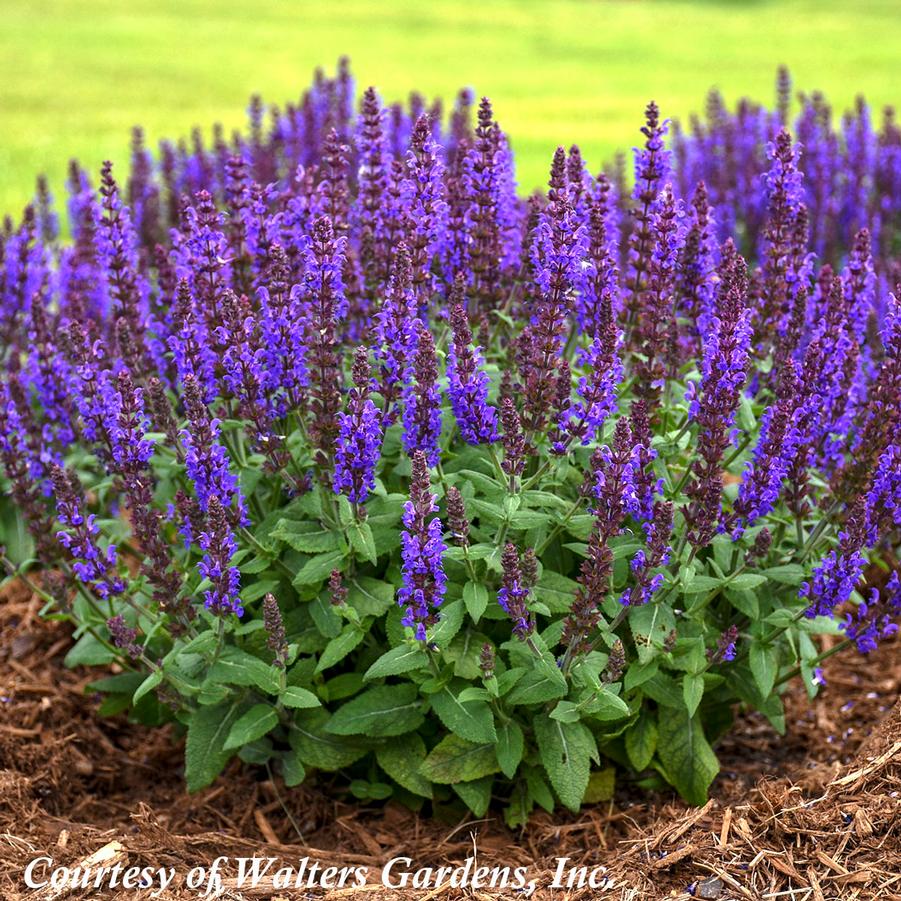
(279, 300)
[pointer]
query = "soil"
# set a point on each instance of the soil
(814, 815)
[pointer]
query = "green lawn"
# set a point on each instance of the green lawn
(78, 73)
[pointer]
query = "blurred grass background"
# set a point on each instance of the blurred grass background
(78, 74)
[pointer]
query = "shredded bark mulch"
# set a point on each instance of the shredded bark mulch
(814, 815)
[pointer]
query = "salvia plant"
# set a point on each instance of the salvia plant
(346, 457)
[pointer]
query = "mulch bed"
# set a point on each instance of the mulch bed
(811, 816)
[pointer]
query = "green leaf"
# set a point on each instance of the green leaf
(338, 648)
(237, 667)
(606, 706)
(324, 615)
(516, 814)
(555, 591)
(307, 537)
(639, 673)
(566, 751)
(545, 499)
(472, 720)
(508, 679)
(113, 704)
(319, 748)
(370, 597)
(297, 697)
(123, 683)
(255, 590)
(17, 540)
(455, 759)
(723, 551)
(686, 756)
(147, 685)
(465, 654)
(449, 624)
(362, 542)
(345, 510)
(539, 789)
(774, 710)
(205, 753)
(566, 712)
(650, 624)
(476, 795)
(370, 791)
(529, 519)
(343, 686)
(764, 661)
(745, 602)
(474, 552)
(475, 596)
(318, 569)
(487, 513)
(641, 741)
(664, 690)
(488, 486)
(601, 784)
(88, 651)
(386, 536)
(701, 583)
(510, 744)
(255, 565)
(384, 710)
(257, 753)
(260, 719)
(692, 691)
(746, 418)
(543, 682)
(580, 525)
(402, 762)
(402, 659)
(293, 771)
(746, 581)
(788, 574)
(820, 625)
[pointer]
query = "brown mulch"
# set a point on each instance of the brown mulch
(811, 816)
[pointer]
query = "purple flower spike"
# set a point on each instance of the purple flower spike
(219, 546)
(514, 442)
(323, 292)
(652, 168)
(19, 466)
(422, 549)
(368, 214)
(725, 646)
(877, 618)
(780, 252)
(656, 555)
(206, 460)
(644, 481)
(124, 637)
(838, 573)
(395, 333)
(359, 438)
(584, 420)
(422, 400)
(468, 384)
(655, 324)
(762, 481)
(93, 566)
(724, 371)
(513, 594)
(428, 207)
